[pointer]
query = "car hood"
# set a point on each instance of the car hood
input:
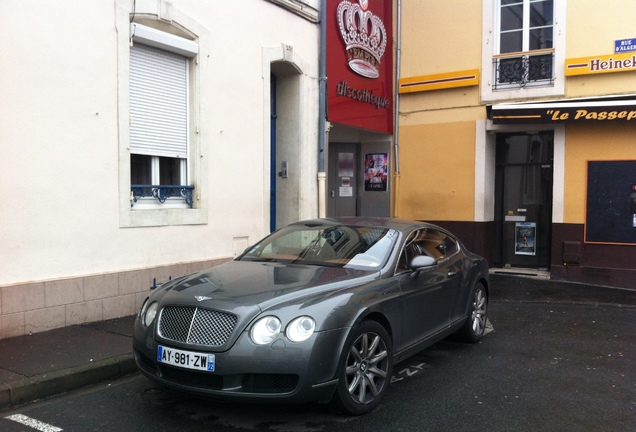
(242, 287)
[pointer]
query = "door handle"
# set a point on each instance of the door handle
(451, 274)
(333, 194)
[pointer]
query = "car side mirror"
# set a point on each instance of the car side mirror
(422, 262)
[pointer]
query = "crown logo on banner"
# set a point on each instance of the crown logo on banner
(364, 36)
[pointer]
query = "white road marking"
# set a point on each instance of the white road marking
(489, 327)
(33, 423)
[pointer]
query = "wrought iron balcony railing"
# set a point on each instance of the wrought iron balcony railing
(161, 193)
(516, 70)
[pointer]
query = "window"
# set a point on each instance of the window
(524, 44)
(151, 153)
(336, 246)
(429, 242)
(159, 119)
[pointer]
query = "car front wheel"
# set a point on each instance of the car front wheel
(475, 325)
(364, 370)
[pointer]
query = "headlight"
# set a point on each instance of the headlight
(265, 330)
(142, 311)
(150, 313)
(300, 329)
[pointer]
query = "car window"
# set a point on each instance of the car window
(436, 244)
(339, 246)
(426, 241)
(409, 250)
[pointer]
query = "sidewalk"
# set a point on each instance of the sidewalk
(53, 362)
(56, 361)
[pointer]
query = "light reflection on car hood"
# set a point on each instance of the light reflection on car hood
(242, 283)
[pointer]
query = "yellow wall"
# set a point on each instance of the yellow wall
(440, 106)
(437, 128)
(614, 141)
(440, 36)
(601, 84)
(594, 25)
(437, 172)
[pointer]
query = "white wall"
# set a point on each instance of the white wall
(61, 123)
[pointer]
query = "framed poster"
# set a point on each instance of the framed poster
(525, 238)
(376, 167)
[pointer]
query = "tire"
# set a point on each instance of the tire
(364, 372)
(473, 329)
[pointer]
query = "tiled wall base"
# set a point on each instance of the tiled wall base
(40, 306)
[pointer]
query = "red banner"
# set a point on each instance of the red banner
(360, 64)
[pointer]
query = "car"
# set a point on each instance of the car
(318, 311)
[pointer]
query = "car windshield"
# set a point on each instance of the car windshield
(348, 246)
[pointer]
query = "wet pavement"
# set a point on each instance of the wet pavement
(43, 364)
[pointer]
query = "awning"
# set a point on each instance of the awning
(600, 109)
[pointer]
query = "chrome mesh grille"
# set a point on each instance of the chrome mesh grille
(196, 325)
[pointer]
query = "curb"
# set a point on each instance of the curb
(61, 381)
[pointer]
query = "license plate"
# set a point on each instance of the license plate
(186, 359)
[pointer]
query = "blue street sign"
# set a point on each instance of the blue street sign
(625, 45)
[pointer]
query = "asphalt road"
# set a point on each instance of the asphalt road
(543, 367)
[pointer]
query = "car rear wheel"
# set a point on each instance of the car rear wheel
(364, 370)
(475, 325)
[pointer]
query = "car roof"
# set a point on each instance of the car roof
(393, 223)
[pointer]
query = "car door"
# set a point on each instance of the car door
(428, 294)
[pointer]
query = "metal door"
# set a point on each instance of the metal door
(523, 202)
(430, 294)
(342, 184)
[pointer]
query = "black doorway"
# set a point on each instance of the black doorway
(523, 201)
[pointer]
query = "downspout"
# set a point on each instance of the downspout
(322, 110)
(396, 116)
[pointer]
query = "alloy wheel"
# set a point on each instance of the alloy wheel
(478, 318)
(367, 368)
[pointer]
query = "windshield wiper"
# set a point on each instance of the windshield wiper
(259, 259)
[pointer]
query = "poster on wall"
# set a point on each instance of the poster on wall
(345, 189)
(376, 171)
(525, 238)
(345, 164)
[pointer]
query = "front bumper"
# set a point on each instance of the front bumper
(282, 371)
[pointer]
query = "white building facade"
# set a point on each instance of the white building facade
(143, 140)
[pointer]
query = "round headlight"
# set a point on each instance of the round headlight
(149, 316)
(265, 330)
(300, 329)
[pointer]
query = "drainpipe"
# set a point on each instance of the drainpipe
(396, 117)
(322, 111)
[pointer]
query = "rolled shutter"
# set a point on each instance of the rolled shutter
(158, 102)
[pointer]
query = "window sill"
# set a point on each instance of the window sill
(132, 218)
(149, 211)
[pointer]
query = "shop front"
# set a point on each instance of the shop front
(566, 188)
(359, 108)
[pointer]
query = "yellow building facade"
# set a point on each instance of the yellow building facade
(517, 130)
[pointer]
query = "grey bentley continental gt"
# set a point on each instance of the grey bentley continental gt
(319, 310)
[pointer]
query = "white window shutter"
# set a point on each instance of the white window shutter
(158, 102)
